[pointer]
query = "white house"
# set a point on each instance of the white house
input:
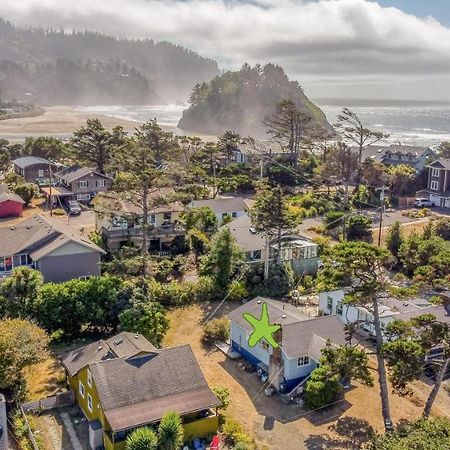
(301, 340)
(223, 207)
(332, 303)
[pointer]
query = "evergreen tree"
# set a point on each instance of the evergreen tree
(394, 238)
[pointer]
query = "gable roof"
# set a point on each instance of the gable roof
(441, 162)
(9, 196)
(301, 334)
(279, 312)
(138, 391)
(123, 345)
(383, 153)
(73, 173)
(220, 205)
(26, 161)
(39, 236)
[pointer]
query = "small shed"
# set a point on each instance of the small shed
(11, 205)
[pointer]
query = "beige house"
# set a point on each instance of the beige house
(119, 220)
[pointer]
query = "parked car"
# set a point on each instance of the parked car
(74, 208)
(423, 203)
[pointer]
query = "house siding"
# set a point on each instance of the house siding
(30, 173)
(10, 208)
(60, 268)
(239, 342)
(91, 187)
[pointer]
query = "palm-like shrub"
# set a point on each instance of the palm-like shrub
(142, 439)
(170, 432)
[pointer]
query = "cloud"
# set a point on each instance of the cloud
(344, 39)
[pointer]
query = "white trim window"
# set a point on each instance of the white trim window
(434, 185)
(82, 184)
(339, 308)
(303, 361)
(82, 197)
(89, 375)
(100, 183)
(89, 402)
(40, 173)
(434, 172)
(81, 389)
(330, 304)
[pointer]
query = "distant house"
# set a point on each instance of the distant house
(84, 182)
(223, 207)
(332, 302)
(415, 156)
(32, 168)
(301, 340)
(124, 383)
(298, 250)
(119, 220)
(49, 246)
(438, 187)
(11, 205)
(250, 151)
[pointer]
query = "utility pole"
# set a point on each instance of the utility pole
(383, 188)
(214, 177)
(50, 187)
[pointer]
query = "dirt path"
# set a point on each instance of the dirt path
(276, 426)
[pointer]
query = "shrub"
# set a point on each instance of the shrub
(142, 439)
(223, 394)
(59, 212)
(331, 219)
(322, 388)
(233, 432)
(170, 432)
(216, 330)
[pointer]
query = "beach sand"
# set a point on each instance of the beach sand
(60, 121)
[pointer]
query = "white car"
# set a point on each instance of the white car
(423, 203)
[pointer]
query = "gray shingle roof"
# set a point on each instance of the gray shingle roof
(27, 161)
(279, 312)
(140, 390)
(302, 335)
(219, 205)
(246, 237)
(441, 162)
(38, 236)
(123, 345)
(73, 173)
(8, 196)
(309, 337)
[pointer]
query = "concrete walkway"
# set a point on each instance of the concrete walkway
(76, 444)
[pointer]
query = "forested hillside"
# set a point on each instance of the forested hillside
(55, 67)
(240, 101)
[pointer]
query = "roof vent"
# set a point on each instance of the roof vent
(99, 348)
(28, 227)
(284, 316)
(12, 228)
(252, 230)
(258, 302)
(405, 303)
(118, 341)
(136, 336)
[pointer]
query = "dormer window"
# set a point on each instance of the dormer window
(303, 361)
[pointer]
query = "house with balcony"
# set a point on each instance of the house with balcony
(48, 245)
(124, 382)
(301, 340)
(119, 219)
(414, 156)
(438, 186)
(332, 303)
(298, 250)
(84, 183)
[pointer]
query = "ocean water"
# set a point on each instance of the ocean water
(412, 123)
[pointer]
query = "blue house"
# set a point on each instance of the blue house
(301, 340)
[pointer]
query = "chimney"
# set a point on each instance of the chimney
(3, 424)
(276, 364)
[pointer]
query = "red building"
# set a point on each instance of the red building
(11, 205)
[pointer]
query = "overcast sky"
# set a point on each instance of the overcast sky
(335, 48)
